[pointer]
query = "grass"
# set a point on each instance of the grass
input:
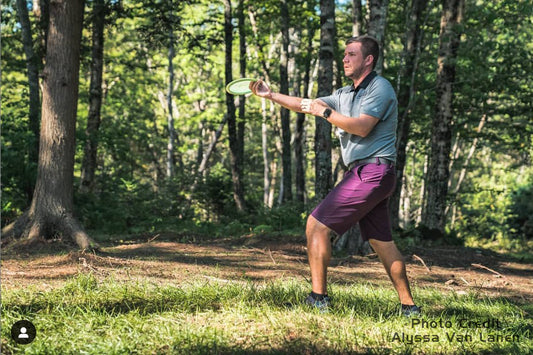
(91, 315)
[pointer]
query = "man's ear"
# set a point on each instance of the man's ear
(369, 59)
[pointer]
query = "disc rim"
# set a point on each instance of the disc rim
(247, 91)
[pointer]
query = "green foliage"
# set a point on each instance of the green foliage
(214, 194)
(521, 210)
(495, 212)
(132, 207)
(285, 219)
(18, 173)
(413, 236)
(132, 194)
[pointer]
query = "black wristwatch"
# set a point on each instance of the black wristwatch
(327, 113)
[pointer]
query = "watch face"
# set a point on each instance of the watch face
(327, 112)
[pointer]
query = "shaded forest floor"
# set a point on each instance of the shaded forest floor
(253, 258)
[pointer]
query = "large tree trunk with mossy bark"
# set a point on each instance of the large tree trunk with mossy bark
(51, 211)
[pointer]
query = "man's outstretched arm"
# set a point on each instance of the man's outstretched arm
(360, 126)
(261, 89)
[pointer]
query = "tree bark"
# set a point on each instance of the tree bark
(89, 163)
(266, 159)
(41, 10)
(406, 91)
(438, 174)
(299, 133)
(170, 113)
(262, 55)
(268, 181)
(34, 115)
(205, 158)
(325, 87)
(238, 192)
(286, 182)
(241, 124)
(51, 210)
(466, 163)
(376, 26)
(299, 156)
(357, 18)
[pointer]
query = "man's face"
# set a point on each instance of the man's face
(354, 63)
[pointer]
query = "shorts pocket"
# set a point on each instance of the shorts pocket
(374, 173)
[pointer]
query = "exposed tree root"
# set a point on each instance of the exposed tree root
(30, 230)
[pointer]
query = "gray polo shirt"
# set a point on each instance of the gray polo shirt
(375, 97)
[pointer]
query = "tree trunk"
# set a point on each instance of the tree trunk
(51, 210)
(205, 158)
(422, 192)
(88, 167)
(32, 65)
(262, 55)
(170, 112)
(299, 140)
(286, 182)
(406, 91)
(41, 10)
(299, 156)
(266, 159)
(325, 87)
(352, 242)
(241, 124)
(406, 192)
(268, 181)
(238, 193)
(466, 163)
(357, 18)
(300, 136)
(376, 26)
(441, 134)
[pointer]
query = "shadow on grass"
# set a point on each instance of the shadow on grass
(85, 294)
(298, 346)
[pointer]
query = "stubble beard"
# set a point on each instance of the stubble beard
(357, 73)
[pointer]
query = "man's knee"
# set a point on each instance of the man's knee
(315, 227)
(316, 231)
(387, 248)
(379, 244)
(318, 237)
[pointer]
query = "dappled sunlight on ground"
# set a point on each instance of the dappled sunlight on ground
(451, 269)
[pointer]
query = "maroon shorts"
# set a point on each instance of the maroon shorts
(362, 196)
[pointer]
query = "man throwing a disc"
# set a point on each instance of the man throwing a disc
(365, 114)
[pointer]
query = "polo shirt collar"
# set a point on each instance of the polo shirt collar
(365, 81)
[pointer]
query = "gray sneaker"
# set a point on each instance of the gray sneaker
(322, 305)
(410, 311)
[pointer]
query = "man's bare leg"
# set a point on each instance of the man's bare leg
(319, 253)
(394, 264)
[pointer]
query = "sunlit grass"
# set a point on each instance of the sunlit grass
(106, 316)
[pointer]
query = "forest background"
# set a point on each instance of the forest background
(159, 146)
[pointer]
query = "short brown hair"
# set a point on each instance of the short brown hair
(369, 46)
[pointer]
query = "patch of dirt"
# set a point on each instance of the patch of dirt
(452, 269)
